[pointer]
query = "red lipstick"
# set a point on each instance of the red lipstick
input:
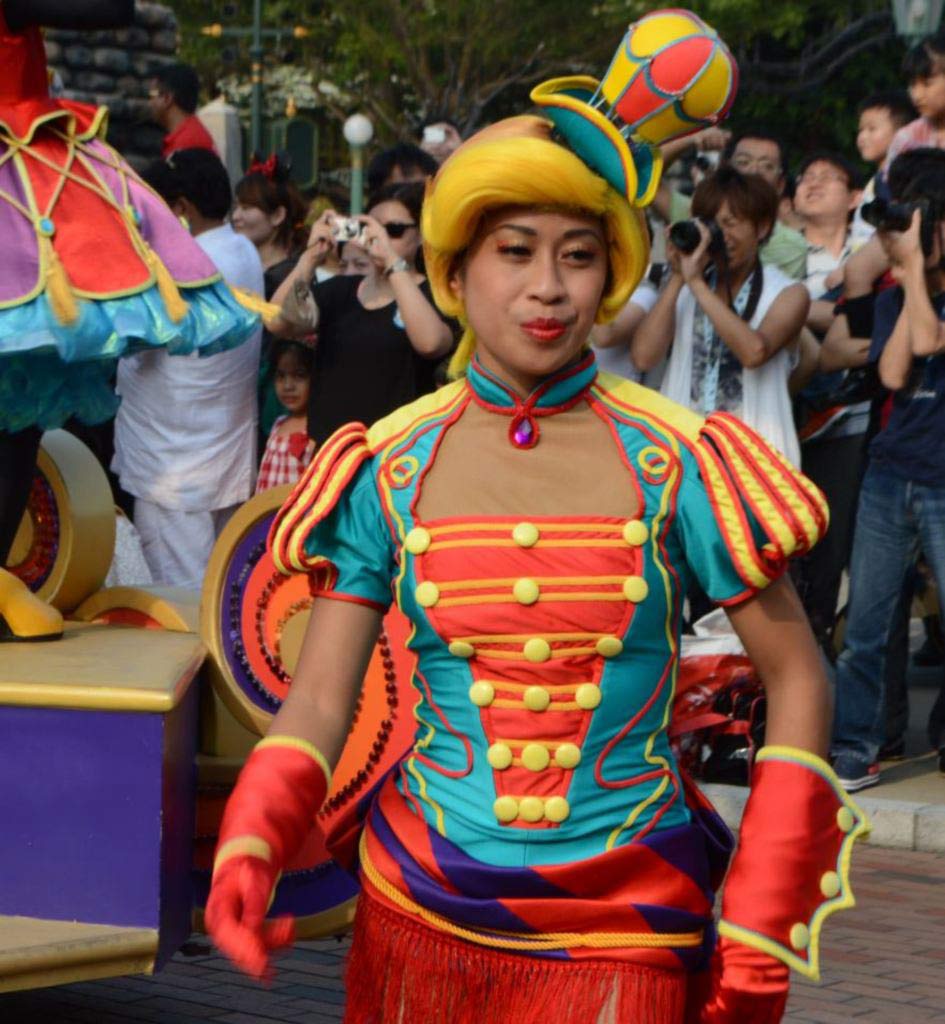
(545, 329)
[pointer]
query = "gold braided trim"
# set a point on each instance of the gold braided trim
(250, 846)
(541, 940)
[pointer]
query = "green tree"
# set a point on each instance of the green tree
(804, 63)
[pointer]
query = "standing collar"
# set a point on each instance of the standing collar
(554, 394)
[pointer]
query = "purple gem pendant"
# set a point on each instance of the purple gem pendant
(523, 432)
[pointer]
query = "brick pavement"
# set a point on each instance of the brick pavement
(885, 964)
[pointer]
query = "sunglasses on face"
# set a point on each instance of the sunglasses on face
(397, 229)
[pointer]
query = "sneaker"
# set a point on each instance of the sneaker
(894, 750)
(853, 776)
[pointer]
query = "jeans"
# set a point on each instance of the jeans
(894, 518)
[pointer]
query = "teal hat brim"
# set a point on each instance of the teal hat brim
(632, 168)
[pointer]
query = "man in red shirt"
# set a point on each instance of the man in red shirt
(173, 100)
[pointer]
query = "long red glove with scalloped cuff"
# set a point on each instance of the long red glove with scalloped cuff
(791, 871)
(269, 814)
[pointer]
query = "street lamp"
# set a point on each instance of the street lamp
(358, 132)
(916, 19)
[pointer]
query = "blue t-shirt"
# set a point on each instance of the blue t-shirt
(911, 445)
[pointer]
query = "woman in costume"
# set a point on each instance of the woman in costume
(93, 266)
(539, 522)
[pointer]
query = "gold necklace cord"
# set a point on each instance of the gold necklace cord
(543, 940)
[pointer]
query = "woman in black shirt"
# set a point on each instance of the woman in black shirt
(380, 337)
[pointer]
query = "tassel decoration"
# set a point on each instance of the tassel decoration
(256, 303)
(59, 293)
(173, 302)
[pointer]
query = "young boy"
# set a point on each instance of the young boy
(924, 68)
(881, 117)
(902, 499)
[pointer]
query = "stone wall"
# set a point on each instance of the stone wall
(115, 69)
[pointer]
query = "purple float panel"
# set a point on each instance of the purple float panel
(97, 816)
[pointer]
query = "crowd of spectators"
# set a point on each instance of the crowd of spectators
(789, 298)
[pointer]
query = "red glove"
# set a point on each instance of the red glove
(748, 987)
(790, 872)
(271, 811)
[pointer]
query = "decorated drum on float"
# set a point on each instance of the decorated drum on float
(64, 545)
(252, 620)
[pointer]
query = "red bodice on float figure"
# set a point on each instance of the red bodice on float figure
(94, 265)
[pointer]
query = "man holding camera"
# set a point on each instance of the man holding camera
(902, 500)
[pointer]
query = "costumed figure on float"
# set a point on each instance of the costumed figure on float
(93, 266)
(540, 523)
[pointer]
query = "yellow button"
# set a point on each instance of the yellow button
(427, 594)
(526, 591)
(505, 808)
(536, 698)
(587, 696)
(635, 533)
(635, 589)
(526, 535)
(535, 757)
(800, 936)
(537, 650)
(609, 646)
(499, 756)
(568, 755)
(557, 808)
(418, 540)
(830, 884)
(482, 694)
(531, 808)
(845, 819)
(460, 649)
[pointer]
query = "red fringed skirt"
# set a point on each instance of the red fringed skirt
(400, 971)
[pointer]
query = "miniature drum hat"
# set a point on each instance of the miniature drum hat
(671, 76)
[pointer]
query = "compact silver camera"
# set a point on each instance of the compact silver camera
(346, 229)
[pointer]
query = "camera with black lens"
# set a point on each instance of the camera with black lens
(685, 236)
(885, 215)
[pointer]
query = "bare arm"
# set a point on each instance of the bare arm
(299, 311)
(426, 329)
(335, 653)
(777, 638)
(621, 329)
(926, 331)
(653, 337)
(753, 348)
(841, 352)
(808, 362)
(863, 267)
(895, 364)
(821, 315)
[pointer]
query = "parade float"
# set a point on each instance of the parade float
(121, 742)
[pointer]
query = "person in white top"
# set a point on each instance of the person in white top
(185, 433)
(730, 321)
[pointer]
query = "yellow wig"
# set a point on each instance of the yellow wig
(515, 163)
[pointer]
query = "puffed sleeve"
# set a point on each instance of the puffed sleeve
(743, 511)
(332, 526)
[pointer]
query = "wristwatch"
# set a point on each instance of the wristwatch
(399, 266)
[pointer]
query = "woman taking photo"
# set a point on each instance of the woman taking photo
(380, 337)
(270, 212)
(539, 523)
(728, 322)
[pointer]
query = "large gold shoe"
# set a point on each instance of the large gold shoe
(23, 616)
